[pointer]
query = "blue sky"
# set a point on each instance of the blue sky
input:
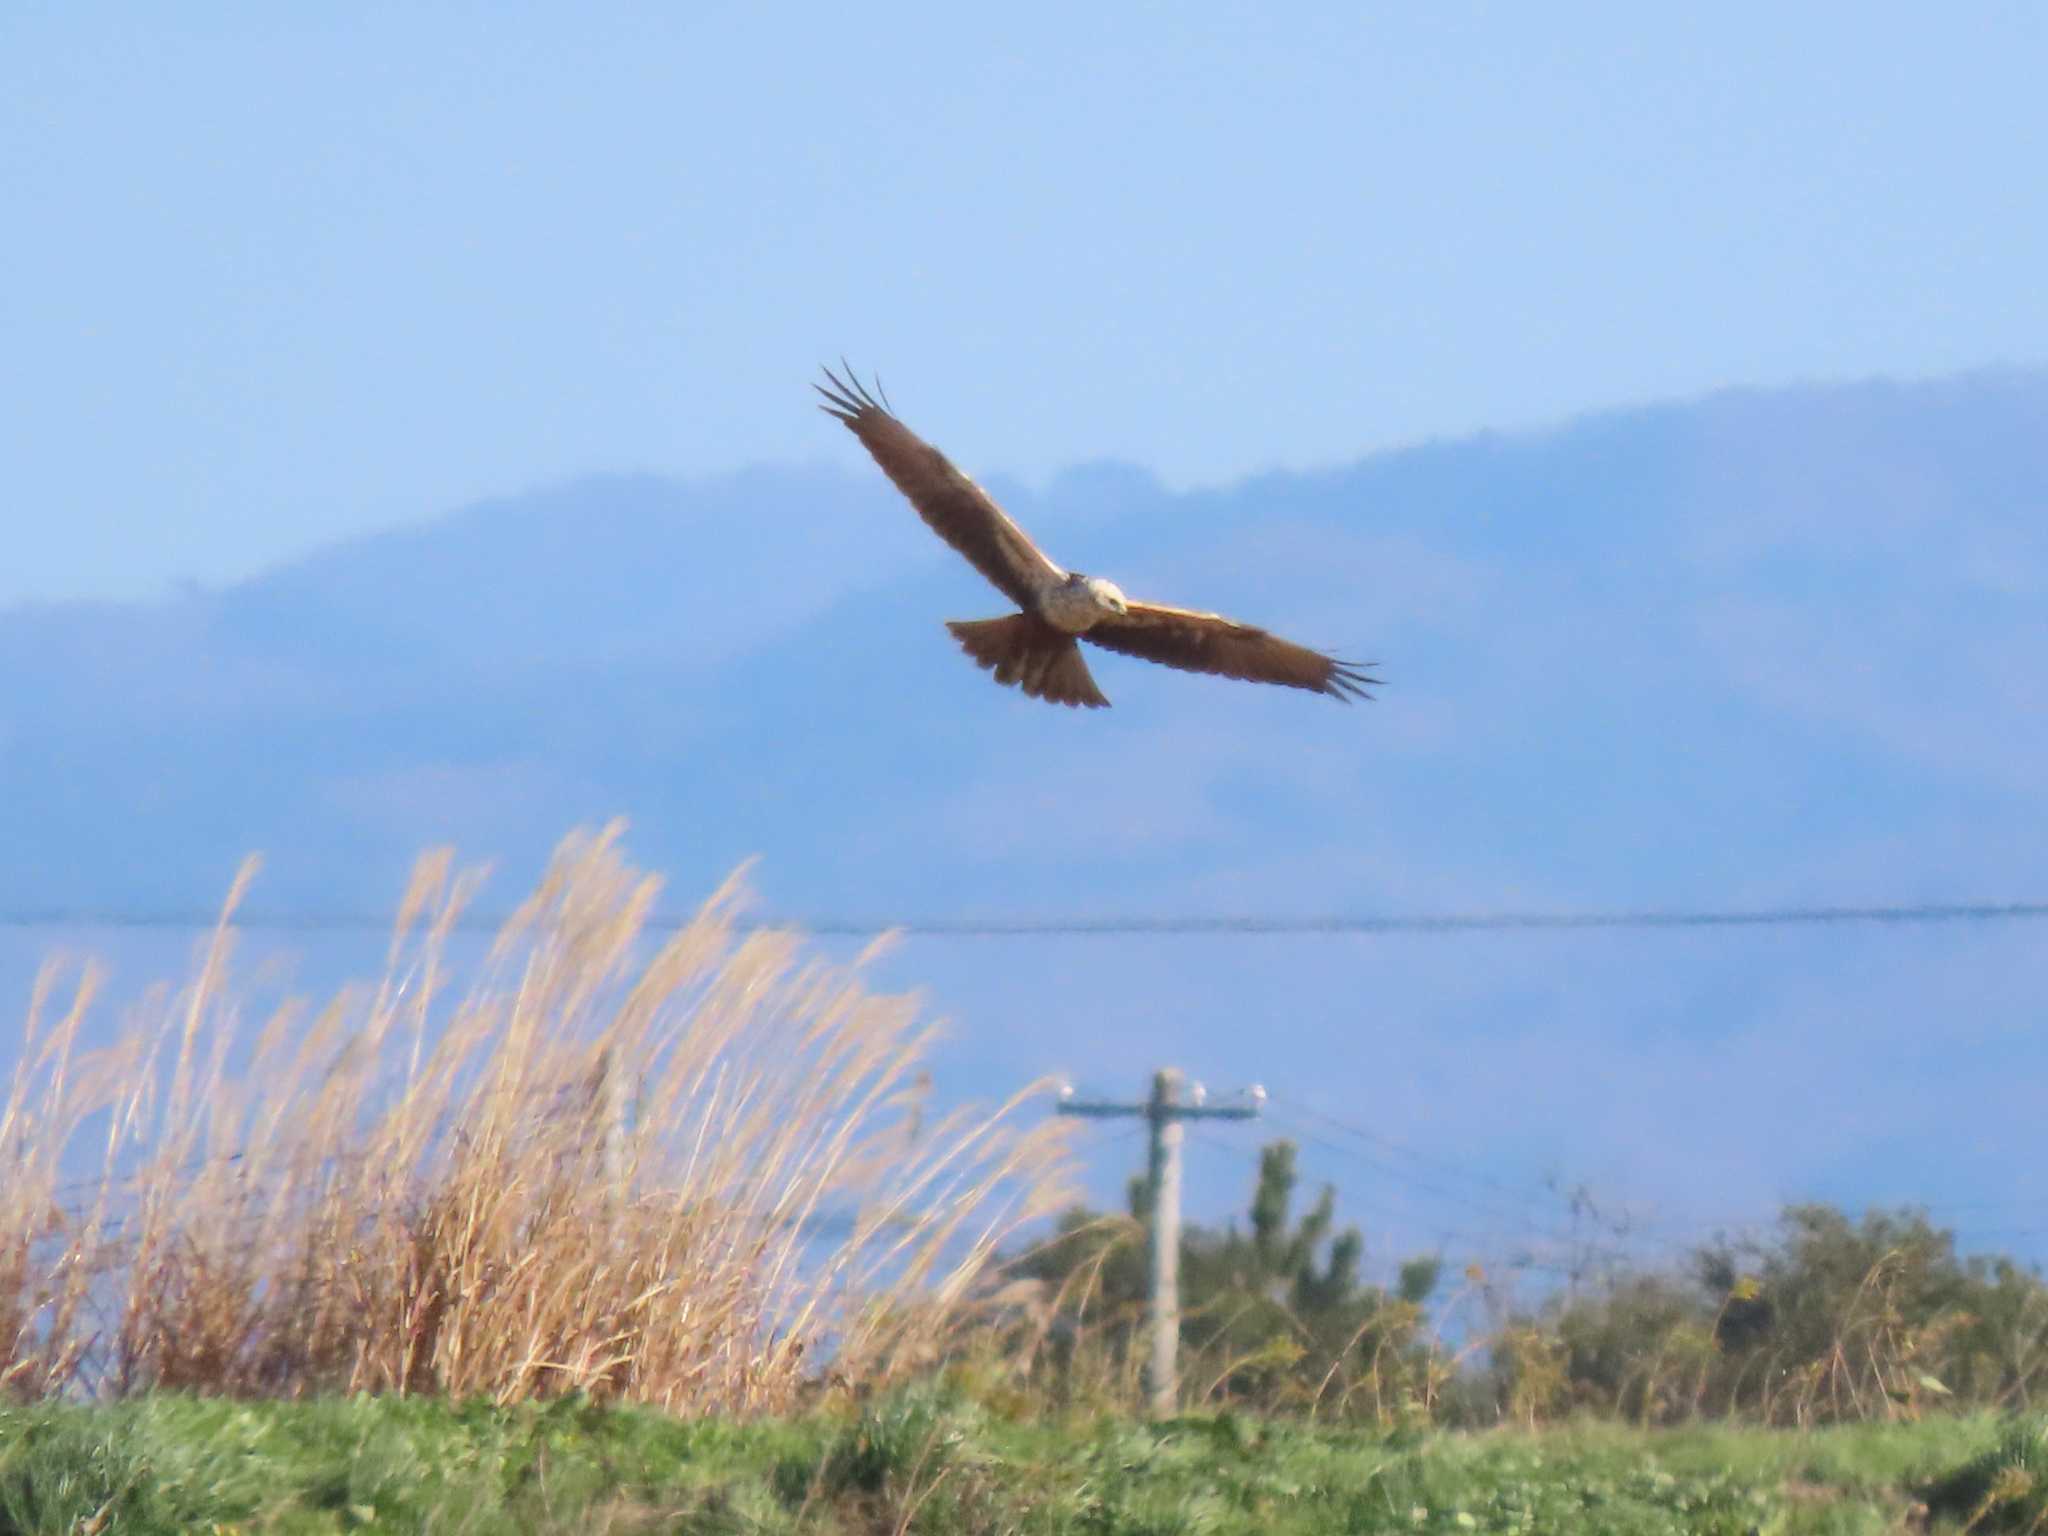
(276, 275)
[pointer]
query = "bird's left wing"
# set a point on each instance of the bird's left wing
(1208, 642)
(955, 508)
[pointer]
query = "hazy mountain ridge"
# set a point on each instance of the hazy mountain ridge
(1662, 640)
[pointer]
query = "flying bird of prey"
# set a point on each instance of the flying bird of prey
(1035, 648)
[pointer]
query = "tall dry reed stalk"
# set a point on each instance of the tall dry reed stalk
(695, 1173)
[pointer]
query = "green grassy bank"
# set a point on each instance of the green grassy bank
(921, 1462)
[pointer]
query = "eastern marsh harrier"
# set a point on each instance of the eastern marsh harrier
(1035, 648)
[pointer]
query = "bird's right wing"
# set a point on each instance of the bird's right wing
(1208, 642)
(955, 508)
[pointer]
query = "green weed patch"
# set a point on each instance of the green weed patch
(937, 1464)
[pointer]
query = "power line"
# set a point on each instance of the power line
(1527, 1228)
(1627, 1229)
(1427, 1160)
(1353, 1202)
(1099, 1137)
(1681, 1240)
(1112, 927)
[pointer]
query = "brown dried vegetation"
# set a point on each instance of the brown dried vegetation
(694, 1172)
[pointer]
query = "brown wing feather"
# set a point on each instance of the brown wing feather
(955, 508)
(1208, 642)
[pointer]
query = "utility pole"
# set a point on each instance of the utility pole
(610, 1107)
(1165, 1112)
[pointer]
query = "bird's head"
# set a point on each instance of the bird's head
(1107, 594)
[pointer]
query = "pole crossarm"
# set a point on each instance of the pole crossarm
(1110, 1109)
(1104, 1109)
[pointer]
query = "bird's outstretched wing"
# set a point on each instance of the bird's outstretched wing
(1208, 642)
(957, 510)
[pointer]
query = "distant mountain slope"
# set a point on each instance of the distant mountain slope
(1717, 646)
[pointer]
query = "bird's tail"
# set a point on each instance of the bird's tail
(1025, 650)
